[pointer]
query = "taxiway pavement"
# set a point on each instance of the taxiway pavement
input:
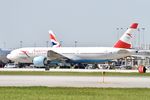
(75, 81)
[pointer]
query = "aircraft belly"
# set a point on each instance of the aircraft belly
(95, 58)
(92, 56)
(25, 60)
(87, 56)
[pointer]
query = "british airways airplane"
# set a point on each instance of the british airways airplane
(40, 55)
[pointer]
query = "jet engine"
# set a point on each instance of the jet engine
(40, 61)
(142, 69)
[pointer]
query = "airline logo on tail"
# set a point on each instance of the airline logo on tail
(54, 42)
(125, 40)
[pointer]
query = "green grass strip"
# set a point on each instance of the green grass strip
(56, 93)
(72, 73)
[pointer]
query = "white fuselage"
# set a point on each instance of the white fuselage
(26, 55)
(78, 54)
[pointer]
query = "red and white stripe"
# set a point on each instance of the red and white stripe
(125, 40)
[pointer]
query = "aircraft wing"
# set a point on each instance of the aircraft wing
(142, 53)
(123, 51)
(52, 55)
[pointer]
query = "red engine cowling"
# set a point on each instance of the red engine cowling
(142, 69)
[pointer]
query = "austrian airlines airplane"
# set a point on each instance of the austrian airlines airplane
(39, 55)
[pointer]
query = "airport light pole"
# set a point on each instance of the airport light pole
(75, 43)
(47, 43)
(61, 43)
(117, 33)
(4, 44)
(143, 38)
(21, 44)
(119, 30)
(139, 37)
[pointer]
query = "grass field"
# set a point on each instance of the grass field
(72, 73)
(47, 93)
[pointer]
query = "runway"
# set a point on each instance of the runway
(75, 81)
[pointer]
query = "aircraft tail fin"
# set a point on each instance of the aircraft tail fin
(125, 40)
(54, 42)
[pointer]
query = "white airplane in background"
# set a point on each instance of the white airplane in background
(39, 55)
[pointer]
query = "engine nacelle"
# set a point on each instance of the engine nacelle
(142, 69)
(40, 61)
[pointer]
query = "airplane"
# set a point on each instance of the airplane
(40, 56)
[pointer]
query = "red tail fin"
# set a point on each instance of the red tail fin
(125, 40)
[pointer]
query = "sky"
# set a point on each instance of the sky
(89, 22)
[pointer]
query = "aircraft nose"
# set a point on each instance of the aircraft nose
(9, 56)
